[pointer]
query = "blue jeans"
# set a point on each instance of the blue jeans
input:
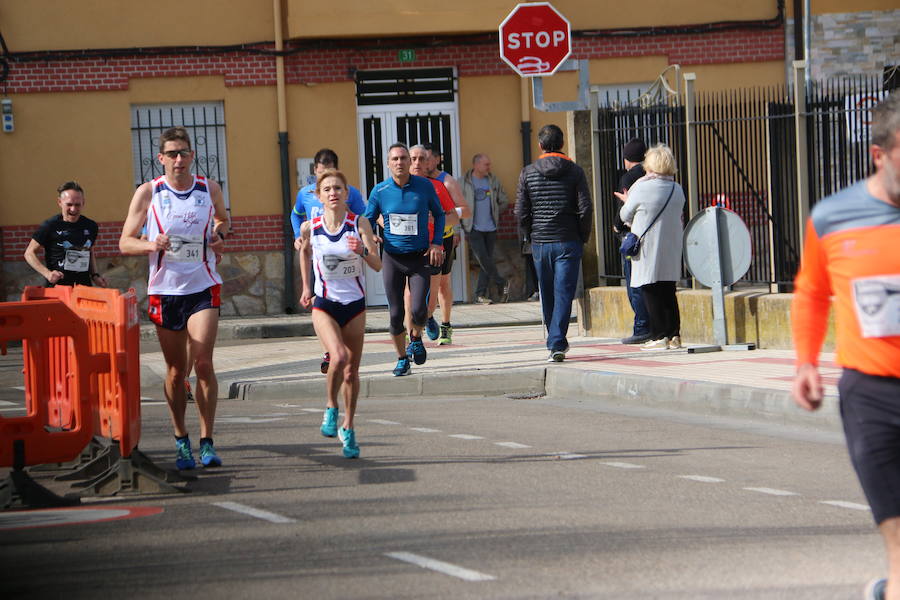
(641, 317)
(557, 265)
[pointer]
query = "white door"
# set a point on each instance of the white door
(380, 126)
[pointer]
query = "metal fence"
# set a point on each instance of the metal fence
(746, 160)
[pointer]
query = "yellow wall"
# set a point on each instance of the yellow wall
(821, 7)
(399, 17)
(490, 123)
(77, 24)
(324, 116)
(87, 136)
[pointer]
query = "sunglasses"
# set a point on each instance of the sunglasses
(176, 153)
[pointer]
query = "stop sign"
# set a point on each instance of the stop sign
(535, 39)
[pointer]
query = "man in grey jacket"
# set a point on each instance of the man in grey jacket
(484, 193)
(554, 209)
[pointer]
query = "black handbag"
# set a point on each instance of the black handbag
(631, 244)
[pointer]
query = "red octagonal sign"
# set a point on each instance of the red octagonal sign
(535, 39)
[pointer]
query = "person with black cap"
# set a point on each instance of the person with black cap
(633, 155)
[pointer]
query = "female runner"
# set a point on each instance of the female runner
(337, 243)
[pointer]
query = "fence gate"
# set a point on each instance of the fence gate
(205, 122)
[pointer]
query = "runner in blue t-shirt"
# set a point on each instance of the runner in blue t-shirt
(404, 202)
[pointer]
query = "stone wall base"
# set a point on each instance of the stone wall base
(252, 282)
(751, 316)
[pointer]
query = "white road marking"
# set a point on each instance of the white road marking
(18, 387)
(567, 455)
(7, 403)
(465, 436)
(289, 406)
(771, 491)
(12, 409)
(702, 478)
(440, 566)
(843, 504)
(623, 465)
(511, 445)
(243, 420)
(425, 430)
(383, 422)
(254, 512)
(312, 410)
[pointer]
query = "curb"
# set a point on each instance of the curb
(475, 383)
(695, 397)
(250, 330)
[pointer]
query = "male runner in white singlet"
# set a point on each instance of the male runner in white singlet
(186, 224)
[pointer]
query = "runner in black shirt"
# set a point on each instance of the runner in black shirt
(68, 240)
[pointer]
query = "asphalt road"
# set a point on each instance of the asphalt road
(469, 498)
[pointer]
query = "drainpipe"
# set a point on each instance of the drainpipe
(525, 95)
(290, 300)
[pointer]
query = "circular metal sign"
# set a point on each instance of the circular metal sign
(715, 235)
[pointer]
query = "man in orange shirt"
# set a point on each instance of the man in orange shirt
(851, 253)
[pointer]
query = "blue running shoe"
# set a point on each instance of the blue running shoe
(184, 456)
(875, 589)
(416, 351)
(348, 438)
(208, 456)
(402, 367)
(329, 422)
(432, 330)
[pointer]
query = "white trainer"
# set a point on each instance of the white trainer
(660, 344)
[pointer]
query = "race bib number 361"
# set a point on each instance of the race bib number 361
(404, 224)
(877, 304)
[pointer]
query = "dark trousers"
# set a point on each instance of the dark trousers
(662, 309)
(482, 245)
(641, 319)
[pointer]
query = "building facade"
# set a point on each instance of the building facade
(94, 83)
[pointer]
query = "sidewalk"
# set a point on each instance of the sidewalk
(499, 349)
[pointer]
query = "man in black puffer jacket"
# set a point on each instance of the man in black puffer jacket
(554, 210)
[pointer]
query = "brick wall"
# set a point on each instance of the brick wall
(262, 233)
(338, 64)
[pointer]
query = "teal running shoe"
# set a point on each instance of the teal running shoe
(329, 422)
(402, 367)
(208, 456)
(348, 438)
(184, 456)
(432, 330)
(416, 351)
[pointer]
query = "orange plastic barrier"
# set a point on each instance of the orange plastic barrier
(61, 413)
(114, 329)
(27, 440)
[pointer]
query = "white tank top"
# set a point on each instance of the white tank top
(340, 272)
(188, 266)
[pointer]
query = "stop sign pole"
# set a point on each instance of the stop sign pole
(535, 39)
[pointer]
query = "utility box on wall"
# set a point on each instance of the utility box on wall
(306, 171)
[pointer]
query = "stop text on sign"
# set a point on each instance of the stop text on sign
(536, 39)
